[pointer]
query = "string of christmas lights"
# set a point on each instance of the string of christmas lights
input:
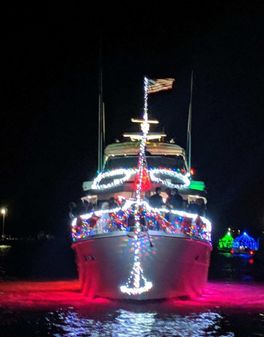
(144, 177)
(142, 164)
(137, 283)
(126, 173)
(184, 178)
(172, 222)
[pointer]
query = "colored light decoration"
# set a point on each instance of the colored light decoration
(156, 218)
(197, 185)
(145, 184)
(245, 243)
(192, 171)
(226, 242)
(137, 283)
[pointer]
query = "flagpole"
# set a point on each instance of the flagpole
(189, 126)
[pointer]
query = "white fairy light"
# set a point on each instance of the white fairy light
(145, 130)
(127, 173)
(136, 283)
(185, 178)
(133, 285)
(74, 222)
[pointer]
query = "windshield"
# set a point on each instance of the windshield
(171, 162)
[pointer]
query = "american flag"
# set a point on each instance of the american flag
(160, 84)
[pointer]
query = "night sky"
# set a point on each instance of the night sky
(48, 127)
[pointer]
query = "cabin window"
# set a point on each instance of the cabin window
(172, 162)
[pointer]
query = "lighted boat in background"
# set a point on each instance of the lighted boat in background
(127, 249)
(237, 244)
(245, 245)
(225, 243)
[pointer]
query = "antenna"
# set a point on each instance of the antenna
(189, 127)
(101, 113)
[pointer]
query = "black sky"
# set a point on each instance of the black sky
(48, 128)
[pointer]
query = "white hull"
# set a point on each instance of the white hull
(177, 266)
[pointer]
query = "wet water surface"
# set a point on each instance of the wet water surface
(40, 296)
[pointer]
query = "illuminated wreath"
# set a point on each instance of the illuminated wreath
(125, 173)
(184, 178)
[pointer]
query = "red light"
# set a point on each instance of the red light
(192, 171)
(146, 184)
(232, 251)
(251, 261)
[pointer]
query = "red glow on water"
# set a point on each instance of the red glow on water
(37, 295)
(228, 295)
(44, 294)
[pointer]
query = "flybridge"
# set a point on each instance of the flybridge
(154, 148)
(154, 144)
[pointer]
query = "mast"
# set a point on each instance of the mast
(189, 127)
(101, 114)
(145, 130)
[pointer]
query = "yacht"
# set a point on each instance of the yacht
(128, 247)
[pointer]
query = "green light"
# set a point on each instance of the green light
(197, 185)
(226, 242)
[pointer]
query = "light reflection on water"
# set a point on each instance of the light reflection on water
(131, 320)
(123, 323)
(229, 307)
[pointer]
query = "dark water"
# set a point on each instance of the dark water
(130, 322)
(233, 304)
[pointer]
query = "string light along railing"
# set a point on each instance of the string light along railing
(130, 204)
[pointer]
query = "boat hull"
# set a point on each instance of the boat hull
(177, 266)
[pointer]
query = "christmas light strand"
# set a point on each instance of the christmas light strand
(153, 174)
(145, 129)
(137, 283)
(127, 174)
(177, 227)
(185, 178)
